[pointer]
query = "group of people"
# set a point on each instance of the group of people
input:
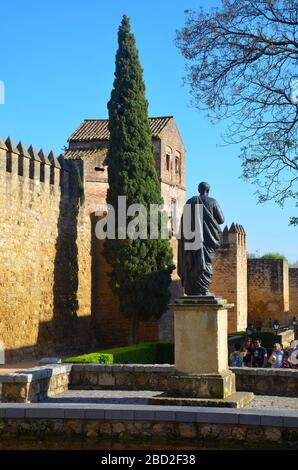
(253, 354)
(272, 325)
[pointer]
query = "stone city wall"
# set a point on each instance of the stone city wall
(268, 290)
(230, 275)
(293, 282)
(45, 273)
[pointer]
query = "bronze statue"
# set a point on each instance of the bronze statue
(195, 265)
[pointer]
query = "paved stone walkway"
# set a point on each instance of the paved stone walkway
(263, 401)
(104, 396)
(16, 366)
(141, 398)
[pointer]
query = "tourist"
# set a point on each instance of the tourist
(250, 329)
(277, 356)
(270, 323)
(259, 358)
(285, 363)
(259, 325)
(236, 357)
(248, 349)
(294, 322)
(276, 326)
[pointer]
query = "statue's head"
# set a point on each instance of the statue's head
(204, 188)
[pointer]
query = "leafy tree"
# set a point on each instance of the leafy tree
(242, 65)
(141, 268)
(273, 256)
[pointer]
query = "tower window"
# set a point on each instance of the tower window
(168, 158)
(168, 161)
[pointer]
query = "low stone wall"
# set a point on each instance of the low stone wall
(121, 376)
(278, 382)
(151, 377)
(39, 383)
(36, 384)
(199, 427)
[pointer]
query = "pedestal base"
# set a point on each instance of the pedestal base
(236, 400)
(202, 385)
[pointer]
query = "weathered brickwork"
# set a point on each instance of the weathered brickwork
(45, 274)
(230, 275)
(268, 290)
(293, 283)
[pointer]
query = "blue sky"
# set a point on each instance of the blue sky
(57, 63)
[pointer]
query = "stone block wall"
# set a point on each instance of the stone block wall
(230, 275)
(45, 262)
(273, 382)
(293, 286)
(268, 290)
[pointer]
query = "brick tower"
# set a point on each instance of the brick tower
(230, 275)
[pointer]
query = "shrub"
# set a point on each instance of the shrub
(143, 353)
(97, 358)
(273, 256)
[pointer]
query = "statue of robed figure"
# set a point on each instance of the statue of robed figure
(195, 260)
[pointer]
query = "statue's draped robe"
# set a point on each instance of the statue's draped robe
(195, 266)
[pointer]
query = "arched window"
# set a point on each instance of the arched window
(168, 158)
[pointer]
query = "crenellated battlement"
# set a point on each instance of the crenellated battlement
(45, 275)
(27, 163)
(230, 274)
(235, 235)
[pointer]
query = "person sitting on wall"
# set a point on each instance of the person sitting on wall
(236, 357)
(276, 326)
(277, 356)
(248, 348)
(250, 329)
(270, 323)
(260, 354)
(285, 363)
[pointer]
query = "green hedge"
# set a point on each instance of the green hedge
(143, 353)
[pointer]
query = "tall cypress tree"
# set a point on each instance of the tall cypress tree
(141, 268)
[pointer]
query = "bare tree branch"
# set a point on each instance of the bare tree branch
(241, 65)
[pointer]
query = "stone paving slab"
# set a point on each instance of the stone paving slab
(236, 400)
(142, 397)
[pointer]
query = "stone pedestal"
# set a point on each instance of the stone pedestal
(201, 326)
(201, 351)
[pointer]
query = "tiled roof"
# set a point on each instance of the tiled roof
(85, 153)
(97, 129)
